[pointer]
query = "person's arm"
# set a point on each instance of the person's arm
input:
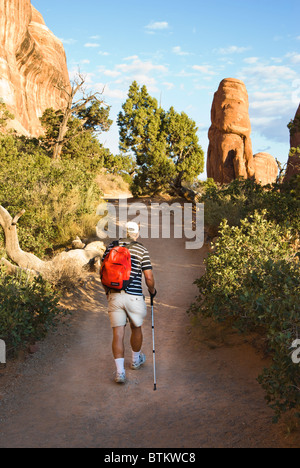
(150, 282)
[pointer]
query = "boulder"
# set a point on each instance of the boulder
(266, 168)
(33, 66)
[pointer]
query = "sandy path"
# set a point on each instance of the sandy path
(65, 396)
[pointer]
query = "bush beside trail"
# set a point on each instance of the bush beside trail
(235, 201)
(60, 199)
(28, 309)
(252, 278)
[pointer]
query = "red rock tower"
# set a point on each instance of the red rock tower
(230, 153)
(293, 165)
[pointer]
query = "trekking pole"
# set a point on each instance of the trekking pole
(153, 338)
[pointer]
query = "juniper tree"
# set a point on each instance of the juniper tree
(87, 114)
(164, 144)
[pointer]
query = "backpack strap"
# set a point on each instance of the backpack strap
(131, 244)
(116, 243)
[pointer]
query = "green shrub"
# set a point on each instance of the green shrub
(28, 309)
(60, 197)
(252, 282)
(241, 198)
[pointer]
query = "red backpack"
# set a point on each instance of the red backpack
(115, 271)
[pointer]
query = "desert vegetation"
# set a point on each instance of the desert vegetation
(47, 202)
(53, 185)
(50, 188)
(165, 144)
(252, 275)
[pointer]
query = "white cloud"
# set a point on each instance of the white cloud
(132, 57)
(139, 67)
(276, 59)
(104, 54)
(157, 25)
(270, 107)
(68, 41)
(205, 69)
(168, 85)
(251, 60)
(270, 74)
(263, 95)
(107, 72)
(92, 44)
(270, 112)
(123, 74)
(232, 50)
(148, 81)
(271, 128)
(88, 77)
(294, 57)
(118, 94)
(183, 73)
(177, 50)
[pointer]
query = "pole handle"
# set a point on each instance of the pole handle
(152, 297)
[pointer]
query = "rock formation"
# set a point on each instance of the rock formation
(293, 165)
(32, 65)
(230, 153)
(266, 168)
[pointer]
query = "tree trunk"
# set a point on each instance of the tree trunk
(16, 254)
(63, 128)
(79, 258)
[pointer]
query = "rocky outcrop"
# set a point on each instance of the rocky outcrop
(266, 168)
(32, 65)
(230, 150)
(230, 153)
(293, 165)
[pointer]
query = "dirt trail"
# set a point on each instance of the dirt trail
(64, 396)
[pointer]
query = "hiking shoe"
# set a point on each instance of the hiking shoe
(141, 361)
(120, 378)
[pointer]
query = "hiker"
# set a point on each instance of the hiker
(128, 304)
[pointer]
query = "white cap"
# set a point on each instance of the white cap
(132, 227)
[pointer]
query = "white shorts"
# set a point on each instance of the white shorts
(122, 306)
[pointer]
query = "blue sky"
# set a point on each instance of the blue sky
(181, 51)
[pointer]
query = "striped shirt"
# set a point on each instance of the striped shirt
(140, 261)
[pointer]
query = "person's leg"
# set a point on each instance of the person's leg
(136, 340)
(118, 342)
(138, 358)
(118, 352)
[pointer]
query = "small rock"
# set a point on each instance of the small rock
(33, 348)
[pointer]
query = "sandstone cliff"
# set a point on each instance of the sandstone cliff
(293, 165)
(230, 153)
(32, 64)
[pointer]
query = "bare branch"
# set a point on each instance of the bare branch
(14, 270)
(17, 217)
